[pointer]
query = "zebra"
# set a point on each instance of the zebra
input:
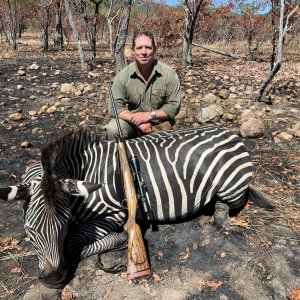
(78, 180)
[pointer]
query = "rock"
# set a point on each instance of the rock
(189, 91)
(20, 87)
(296, 126)
(36, 130)
(252, 128)
(246, 115)
(87, 89)
(94, 74)
(285, 136)
(26, 145)
(224, 94)
(51, 110)
(32, 97)
(33, 67)
(43, 109)
(230, 117)
(210, 98)
(210, 114)
(15, 117)
(68, 88)
(21, 72)
(32, 113)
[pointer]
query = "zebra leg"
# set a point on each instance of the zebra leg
(221, 215)
(97, 236)
(93, 237)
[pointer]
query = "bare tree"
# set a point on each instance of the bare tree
(192, 9)
(75, 34)
(283, 28)
(110, 19)
(91, 24)
(12, 25)
(43, 13)
(122, 36)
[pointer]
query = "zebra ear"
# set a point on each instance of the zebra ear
(78, 187)
(14, 192)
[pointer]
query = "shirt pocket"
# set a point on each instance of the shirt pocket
(158, 98)
(134, 101)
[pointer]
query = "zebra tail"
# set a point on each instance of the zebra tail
(258, 198)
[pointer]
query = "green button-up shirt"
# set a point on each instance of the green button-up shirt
(161, 92)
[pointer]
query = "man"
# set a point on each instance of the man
(146, 92)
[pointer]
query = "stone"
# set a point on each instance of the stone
(210, 114)
(32, 113)
(26, 145)
(21, 72)
(33, 67)
(210, 98)
(252, 128)
(285, 136)
(15, 117)
(246, 115)
(224, 94)
(94, 74)
(51, 110)
(68, 88)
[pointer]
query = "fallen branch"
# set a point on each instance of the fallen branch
(218, 52)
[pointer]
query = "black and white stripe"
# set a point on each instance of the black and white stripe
(182, 170)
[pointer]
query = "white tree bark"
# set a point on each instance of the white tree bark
(75, 35)
(110, 19)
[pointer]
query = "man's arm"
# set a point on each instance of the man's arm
(142, 119)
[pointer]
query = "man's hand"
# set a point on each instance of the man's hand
(145, 128)
(140, 118)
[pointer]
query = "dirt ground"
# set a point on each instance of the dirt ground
(258, 258)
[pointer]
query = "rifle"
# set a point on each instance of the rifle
(137, 259)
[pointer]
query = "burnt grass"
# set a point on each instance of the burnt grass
(258, 258)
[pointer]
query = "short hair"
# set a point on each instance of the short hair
(146, 33)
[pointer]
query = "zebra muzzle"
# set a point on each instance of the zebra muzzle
(53, 277)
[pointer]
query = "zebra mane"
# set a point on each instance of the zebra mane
(55, 152)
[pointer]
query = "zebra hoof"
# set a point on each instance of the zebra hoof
(221, 215)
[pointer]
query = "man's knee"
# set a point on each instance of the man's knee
(112, 132)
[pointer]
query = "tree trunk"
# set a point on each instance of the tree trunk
(46, 26)
(13, 24)
(192, 9)
(75, 34)
(121, 37)
(110, 27)
(59, 39)
(283, 28)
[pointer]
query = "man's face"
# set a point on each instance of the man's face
(143, 51)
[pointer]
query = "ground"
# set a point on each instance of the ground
(257, 258)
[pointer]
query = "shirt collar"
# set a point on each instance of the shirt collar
(156, 69)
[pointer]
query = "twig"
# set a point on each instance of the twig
(21, 267)
(7, 257)
(4, 287)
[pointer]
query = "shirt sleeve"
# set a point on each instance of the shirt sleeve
(173, 100)
(119, 93)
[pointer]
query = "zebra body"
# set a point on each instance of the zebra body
(182, 171)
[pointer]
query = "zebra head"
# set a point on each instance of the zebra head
(46, 216)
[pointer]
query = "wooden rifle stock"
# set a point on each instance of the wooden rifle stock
(137, 260)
